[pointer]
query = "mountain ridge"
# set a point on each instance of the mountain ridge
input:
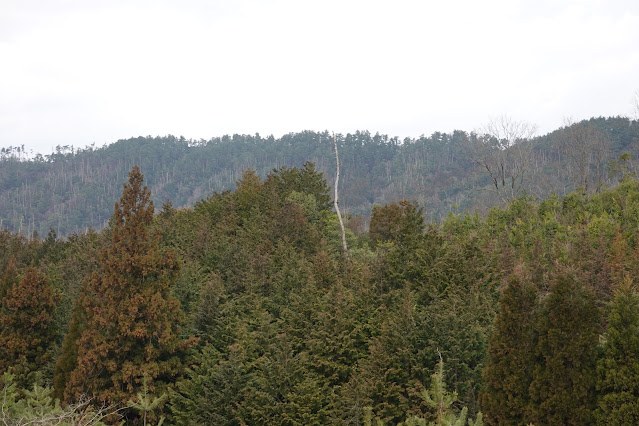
(72, 190)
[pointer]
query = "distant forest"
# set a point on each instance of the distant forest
(74, 189)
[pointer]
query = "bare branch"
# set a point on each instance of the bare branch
(504, 150)
(588, 149)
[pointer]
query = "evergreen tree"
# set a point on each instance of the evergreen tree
(26, 319)
(132, 326)
(618, 370)
(507, 375)
(440, 402)
(8, 280)
(567, 326)
(214, 390)
(386, 378)
(68, 359)
(400, 222)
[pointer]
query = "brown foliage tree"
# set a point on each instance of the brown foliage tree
(394, 221)
(26, 318)
(132, 326)
(8, 279)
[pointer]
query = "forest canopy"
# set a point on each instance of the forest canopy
(243, 310)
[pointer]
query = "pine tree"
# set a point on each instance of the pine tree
(508, 374)
(439, 400)
(567, 329)
(132, 326)
(618, 370)
(27, 332)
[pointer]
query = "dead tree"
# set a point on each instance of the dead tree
(588, 150)
(339, 215)
(503, 149)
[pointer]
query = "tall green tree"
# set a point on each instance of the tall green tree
(508, 372)
(618, 369)
(386, 379)
(567, 327)
(132, 326)
(67, 362)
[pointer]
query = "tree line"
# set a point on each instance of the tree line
(74, 189)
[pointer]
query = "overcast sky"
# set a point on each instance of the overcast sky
(82, 72)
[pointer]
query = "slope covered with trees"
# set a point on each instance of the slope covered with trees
(73, 189)
(524, 314)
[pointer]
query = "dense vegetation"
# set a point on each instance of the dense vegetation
(243, 309)
(74, 189)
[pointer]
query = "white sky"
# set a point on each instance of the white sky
(78, 72)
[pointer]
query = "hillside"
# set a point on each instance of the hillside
(74, 189)
(244, 309)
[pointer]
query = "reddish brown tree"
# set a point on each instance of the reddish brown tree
(132, 326)
(8, 279)
(26, 317)
(395, 221)
(385, 222)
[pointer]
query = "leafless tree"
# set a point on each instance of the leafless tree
(635, 105)
(588, 150)
(503, 149)
(339, 215)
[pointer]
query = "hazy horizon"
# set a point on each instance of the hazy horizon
(77, 74)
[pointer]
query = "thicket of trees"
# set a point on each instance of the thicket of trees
(242, 310)
(74, 189)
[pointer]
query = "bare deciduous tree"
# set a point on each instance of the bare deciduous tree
(503, 149)
(588, 150)
(635, 105)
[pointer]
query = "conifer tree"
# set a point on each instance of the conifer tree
(567, 326)
(386, 377)
(8, 280)
(26, 319)
(132, 326)
(508, 374)
(618, 370)
(68, 359)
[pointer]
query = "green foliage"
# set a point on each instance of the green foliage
(508, 372)
(290, 334)
(440, 401)
(387, 378)
(562, 390)
(68, 360)
(36, 406)
(618, 369)
(212, 392)
(146, 405)
(75, 189)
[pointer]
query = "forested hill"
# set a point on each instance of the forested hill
(73, 189)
